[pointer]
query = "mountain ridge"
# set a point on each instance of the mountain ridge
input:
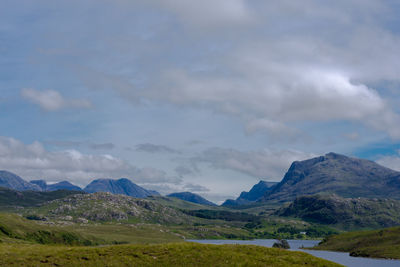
(336, 174)
(63, 185)
(13, 181)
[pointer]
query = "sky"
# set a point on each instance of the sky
(204, 96)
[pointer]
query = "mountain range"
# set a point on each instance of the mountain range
(121, 186)
(63, 185)
(255, 193)
(332, 173)
(188, 196)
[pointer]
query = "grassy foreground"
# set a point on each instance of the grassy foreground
(172, 254)
(383, 243)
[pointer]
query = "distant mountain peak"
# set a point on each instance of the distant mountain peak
(13, 181)
(255, 193)
(122, 186)
(191, 197)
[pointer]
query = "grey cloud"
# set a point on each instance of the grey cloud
(163, 188)
(265, 164)
(288, 63)
(287, 74)
(51, 100)
(76, 144)
(188, 168)
(195, 142)
(59, 143)
(353, 136)
(105, 146)
(152, 148)
(219, 13)
(195, 188)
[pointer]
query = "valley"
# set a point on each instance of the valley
(103, 218)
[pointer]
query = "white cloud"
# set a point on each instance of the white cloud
(295, 62)
(271, 95)
(51, 100)
(33, 161)
(391, 162)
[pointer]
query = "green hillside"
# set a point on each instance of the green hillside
(11, 199)
(179, 203)
(106, 207)
(383, 243)
(15, 229)
(344, 213)
(181, 254)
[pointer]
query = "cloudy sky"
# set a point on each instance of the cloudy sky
(205, 96)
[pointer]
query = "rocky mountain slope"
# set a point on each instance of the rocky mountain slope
(194, 198)
(121, 186)
(13, 181)
(105, 207)
(255, 193)
(344, 213)
(338, 174)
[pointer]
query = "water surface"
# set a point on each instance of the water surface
(338, 257)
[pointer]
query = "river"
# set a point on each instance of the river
(295, 245)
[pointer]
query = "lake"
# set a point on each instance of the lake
(338, 257)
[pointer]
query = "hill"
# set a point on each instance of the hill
(63, 185)
(13, 181)
(194, 198)
(15, 229)
(175, 254)
(10, 199)
(382, 243)
(344, 213)
(107, 207)
(338, 174)
(121, 186)
(255, 193)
